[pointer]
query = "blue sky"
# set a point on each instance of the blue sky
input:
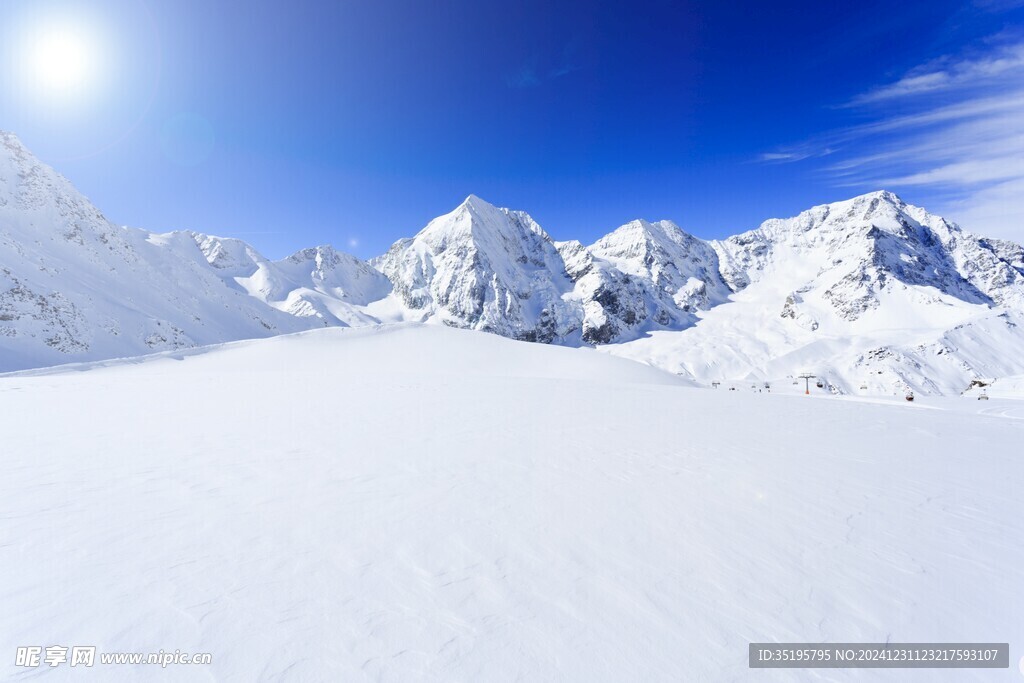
(354, 123)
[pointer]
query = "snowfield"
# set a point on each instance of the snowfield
(417, 503)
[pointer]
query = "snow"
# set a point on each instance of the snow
(869, 292)
(484, 268)
(872, 294)
(674, 262)
(1000, 387)
(411, 502)
(74, 287)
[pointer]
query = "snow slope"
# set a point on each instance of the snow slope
(417, 503)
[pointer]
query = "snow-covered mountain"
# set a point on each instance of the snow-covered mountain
(318, 283)
(871, 294)
(484, 268)
(75, 287)
(677, 264)
(642, 277)
(871, 245)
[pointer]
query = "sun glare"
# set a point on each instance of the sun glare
(62, 61)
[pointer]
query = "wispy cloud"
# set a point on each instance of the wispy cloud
(533, 74)
(793, 155)
(950, 74)
(783, 157)
(951, 131)
(563, 70)
(525, 77)
(998, 5)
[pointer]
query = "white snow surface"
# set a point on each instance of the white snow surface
(415, 503)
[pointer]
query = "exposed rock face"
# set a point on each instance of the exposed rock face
(493, 269)
(485, 268)
(874, 243)
(615, 305)
(682, 270)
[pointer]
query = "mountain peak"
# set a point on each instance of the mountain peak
(877, 210)
(483, 267)
(10, 140)
(647, 230)
(29, 186)
(478, 222)
(883, 195)
(321, 251)
(477, 203)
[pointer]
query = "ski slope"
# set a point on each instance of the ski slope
(417, 503)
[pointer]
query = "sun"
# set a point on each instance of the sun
(62, 60)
